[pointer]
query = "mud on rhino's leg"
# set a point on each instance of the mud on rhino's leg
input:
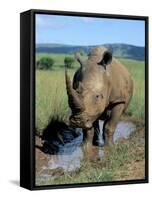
(89, 149)
(97, 135)
(110, 124)
(88, 136)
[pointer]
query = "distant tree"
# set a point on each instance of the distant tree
(69, 62)
(45, 63)
(82, 52)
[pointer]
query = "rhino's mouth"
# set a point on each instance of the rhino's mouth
(79, 123)
(76, 125)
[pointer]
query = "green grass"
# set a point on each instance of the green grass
(51, 98)
(137, 105)
(51, 101)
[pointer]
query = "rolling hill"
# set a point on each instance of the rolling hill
(119, 50)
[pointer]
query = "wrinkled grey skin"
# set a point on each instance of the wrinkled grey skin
(102, 89)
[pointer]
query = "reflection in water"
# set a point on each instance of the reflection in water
(123, 130)
(67, 162)
(65, 154)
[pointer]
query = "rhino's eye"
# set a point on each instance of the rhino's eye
(97, 96)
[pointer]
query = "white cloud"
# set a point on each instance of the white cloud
(46, 21)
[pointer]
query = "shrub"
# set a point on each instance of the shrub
(68, 61)
(45, 63)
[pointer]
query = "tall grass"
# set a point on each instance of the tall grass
(51, 99)
(136, 107)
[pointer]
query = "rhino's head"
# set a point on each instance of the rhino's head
(90, 91)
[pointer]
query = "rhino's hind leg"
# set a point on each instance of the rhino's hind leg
(97, 139)
(110, 124)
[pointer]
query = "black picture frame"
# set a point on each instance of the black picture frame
(27, 98)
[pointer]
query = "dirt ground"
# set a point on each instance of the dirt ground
(131, 170)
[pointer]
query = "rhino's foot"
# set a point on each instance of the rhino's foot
(109, 142)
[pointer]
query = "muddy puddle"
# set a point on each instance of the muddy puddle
(65, 153)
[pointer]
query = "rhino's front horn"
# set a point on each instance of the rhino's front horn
(73, 98)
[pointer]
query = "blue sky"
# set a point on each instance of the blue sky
(88, 30)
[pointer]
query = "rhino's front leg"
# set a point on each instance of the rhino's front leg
(88, 135)
(90, 150)
(93, 135)
(110, 125)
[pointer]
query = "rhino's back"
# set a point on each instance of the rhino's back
(122, 82)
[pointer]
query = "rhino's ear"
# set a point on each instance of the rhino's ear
(106, 60)
(79, 58)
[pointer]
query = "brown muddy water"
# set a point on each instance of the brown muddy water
(64, 153)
